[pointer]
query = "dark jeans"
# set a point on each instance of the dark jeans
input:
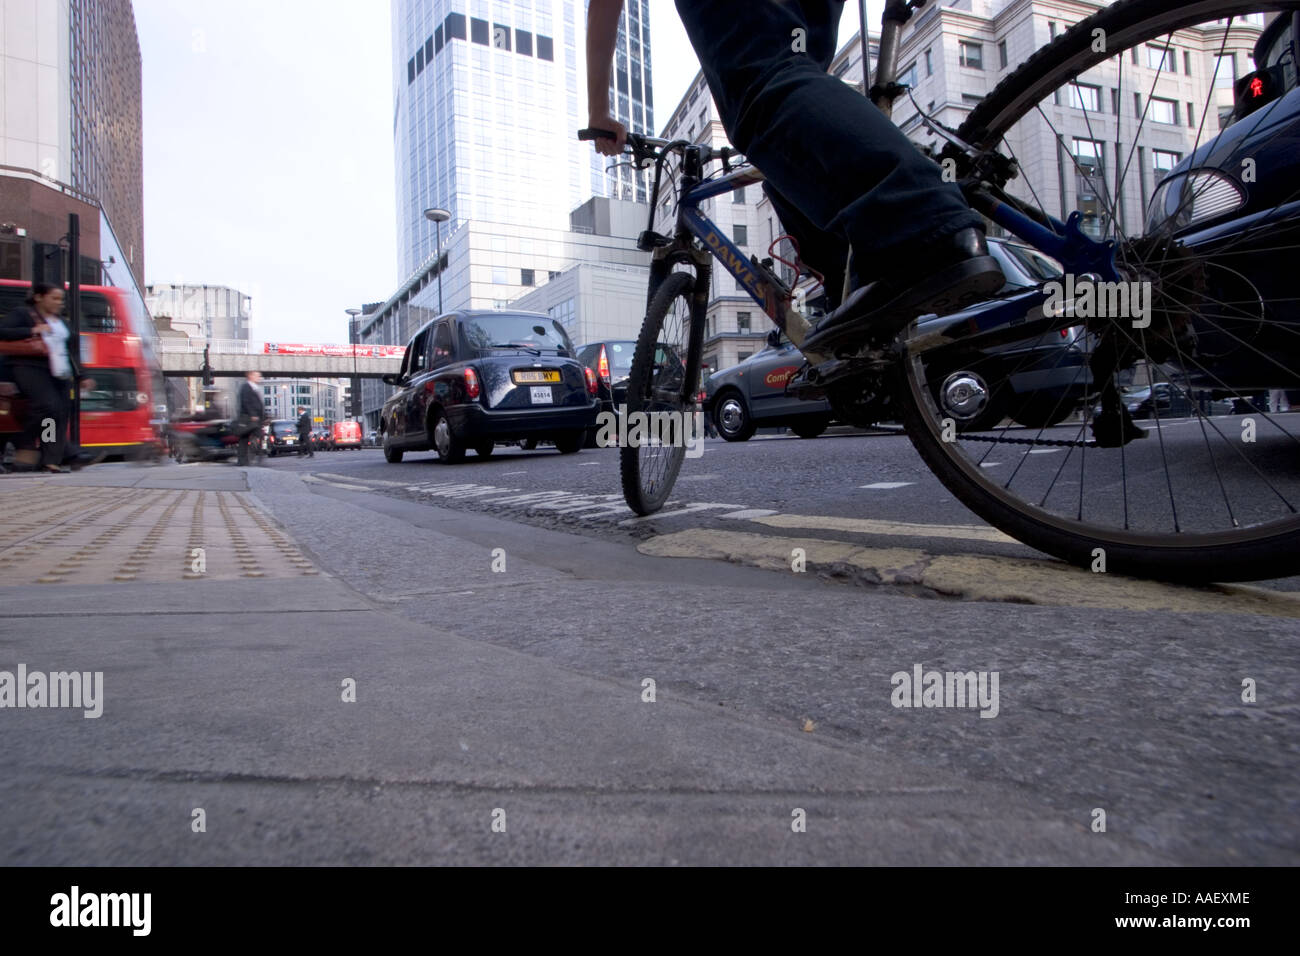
(838, 172)
(49, 399)
(242, 446)
(304, 445)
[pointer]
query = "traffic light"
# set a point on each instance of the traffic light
(1257, 89)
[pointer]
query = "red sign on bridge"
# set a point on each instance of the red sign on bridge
(343, 351)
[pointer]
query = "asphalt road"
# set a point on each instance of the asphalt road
(866, 489)
(501, 618)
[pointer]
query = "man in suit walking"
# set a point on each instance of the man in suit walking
(304, 435)
(248, 424)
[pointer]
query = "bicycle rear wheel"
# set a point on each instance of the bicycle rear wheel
(659, 390)
(1213, 490)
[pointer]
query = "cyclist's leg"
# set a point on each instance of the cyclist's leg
(821, 144)
(823, 250)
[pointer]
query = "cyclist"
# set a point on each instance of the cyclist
(838, 172)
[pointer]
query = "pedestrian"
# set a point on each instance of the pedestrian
(43, 365)
(248, 424)
(304, 434)
(840, 175)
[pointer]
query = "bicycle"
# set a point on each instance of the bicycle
(1213, 496)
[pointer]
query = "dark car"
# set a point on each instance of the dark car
(1232, 201)
(611, 361)
(281, 437)
(470, 379)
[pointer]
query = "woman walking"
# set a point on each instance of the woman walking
(46, 381)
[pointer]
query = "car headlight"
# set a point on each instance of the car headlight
(1188, 198)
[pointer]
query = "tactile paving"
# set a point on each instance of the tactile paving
(102, 535)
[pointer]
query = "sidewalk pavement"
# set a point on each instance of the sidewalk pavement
(223, 692)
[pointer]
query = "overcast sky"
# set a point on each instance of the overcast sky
(268, 151)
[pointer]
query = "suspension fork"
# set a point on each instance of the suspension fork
(683, 251)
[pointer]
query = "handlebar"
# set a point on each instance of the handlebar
(652, 147)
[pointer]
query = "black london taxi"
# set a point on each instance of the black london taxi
(470, 379)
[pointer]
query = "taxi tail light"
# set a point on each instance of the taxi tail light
(603, 366)
(472, 389)
(592, 387)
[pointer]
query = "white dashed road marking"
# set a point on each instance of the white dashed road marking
(887, 485)
(748, 514)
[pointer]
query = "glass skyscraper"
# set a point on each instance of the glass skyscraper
(488, 97)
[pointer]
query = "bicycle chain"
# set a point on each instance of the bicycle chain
(1001, 439)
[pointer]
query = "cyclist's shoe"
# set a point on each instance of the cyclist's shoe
(953, 275)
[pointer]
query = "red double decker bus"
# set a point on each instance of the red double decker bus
(123, 380)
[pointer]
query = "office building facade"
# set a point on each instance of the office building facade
(71, 133)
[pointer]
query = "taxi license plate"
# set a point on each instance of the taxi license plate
(541, 395)
(534, 375)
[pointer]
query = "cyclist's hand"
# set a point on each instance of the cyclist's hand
(603, 144)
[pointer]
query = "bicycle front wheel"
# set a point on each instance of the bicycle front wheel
(660, 397)
(1125, 124)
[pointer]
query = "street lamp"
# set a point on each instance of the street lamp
(438, 216)
(354, 333)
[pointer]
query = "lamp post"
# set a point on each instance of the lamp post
(354, 333)
(438, 216)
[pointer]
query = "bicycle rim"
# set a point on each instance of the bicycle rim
(1213, 491)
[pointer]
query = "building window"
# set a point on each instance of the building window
(410, 70)
(552, 275)
(527, 277)
(741, 234)
(1051, 29)
(478, 30)
(1225, 71)
(1163, 111)
(545, 49)
(500, 36)
(738, 197)
(741, 356)
(908, 76)
(972, 54)
(1158, 58)
(1002, 55)
(1084, 97)
(524, 42)
(1191, 116)
(929, 63)
(742, 322)
(499, 275)
(1162, 161)
(1187, 62)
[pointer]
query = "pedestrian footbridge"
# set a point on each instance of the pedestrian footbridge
(233, 357)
